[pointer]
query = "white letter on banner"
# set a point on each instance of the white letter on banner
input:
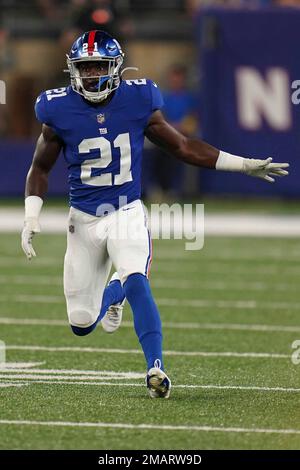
(259, 97)
(2, 92)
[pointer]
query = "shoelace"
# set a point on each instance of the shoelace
(113, 314)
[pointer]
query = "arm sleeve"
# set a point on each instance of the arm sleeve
(41, 110)
(157, 101)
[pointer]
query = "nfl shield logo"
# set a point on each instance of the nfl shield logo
(100, 118)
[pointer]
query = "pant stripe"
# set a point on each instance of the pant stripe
(149, 259)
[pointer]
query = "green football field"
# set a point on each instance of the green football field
(230, 314)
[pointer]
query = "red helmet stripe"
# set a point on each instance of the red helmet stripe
(91, 40)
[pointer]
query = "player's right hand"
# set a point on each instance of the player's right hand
(31, 226)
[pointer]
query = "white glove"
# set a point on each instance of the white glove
(31, 226)
(33, 205)
(251, 166)
(264, 168)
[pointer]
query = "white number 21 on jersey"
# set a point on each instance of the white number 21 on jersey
(106, 179)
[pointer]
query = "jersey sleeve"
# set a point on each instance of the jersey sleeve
(157, 101)
(41, 110)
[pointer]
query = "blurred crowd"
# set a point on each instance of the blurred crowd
(109, 11)
(35, 28)
(193, 5)
(119, 17)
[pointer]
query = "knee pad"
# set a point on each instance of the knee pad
(81, 318)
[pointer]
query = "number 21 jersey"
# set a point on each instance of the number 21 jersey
(103, 144)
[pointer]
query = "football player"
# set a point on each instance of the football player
(99, 122)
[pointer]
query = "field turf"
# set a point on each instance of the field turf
(230, 314)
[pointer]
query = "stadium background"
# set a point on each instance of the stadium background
(229, 310)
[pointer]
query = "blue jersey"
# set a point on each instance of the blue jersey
(103, 144)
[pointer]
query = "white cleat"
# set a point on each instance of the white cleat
(113, 317)
(158, 383)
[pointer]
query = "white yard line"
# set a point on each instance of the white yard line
(167, 302)
(225, 304)
(32, 280)
(24, 298)
(250, 254)
(138, 351)
(39, 261)
(196, 261)
(78, 378)
(219, 285)
(182, 255)
(72, 373)
(158, 283)
(32, 321)
(218, 224)
(6, 385)
(19, 366)
(103, 383)
(171, 325)
(146, 427)
(225, 268)
(228, 326)
(192, 267)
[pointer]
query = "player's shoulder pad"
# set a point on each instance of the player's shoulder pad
(147, 90)
(141, 84)
(48, 102)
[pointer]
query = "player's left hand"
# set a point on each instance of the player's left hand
(31, 226)
(264, 169)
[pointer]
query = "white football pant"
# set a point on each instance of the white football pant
(94, 243)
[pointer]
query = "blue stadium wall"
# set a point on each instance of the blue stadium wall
(244, 56)
(16, 157)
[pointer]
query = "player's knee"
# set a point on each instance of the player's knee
(81, 318)
(136, 284)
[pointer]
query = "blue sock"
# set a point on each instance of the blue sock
(112, 294)
(146, 317)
